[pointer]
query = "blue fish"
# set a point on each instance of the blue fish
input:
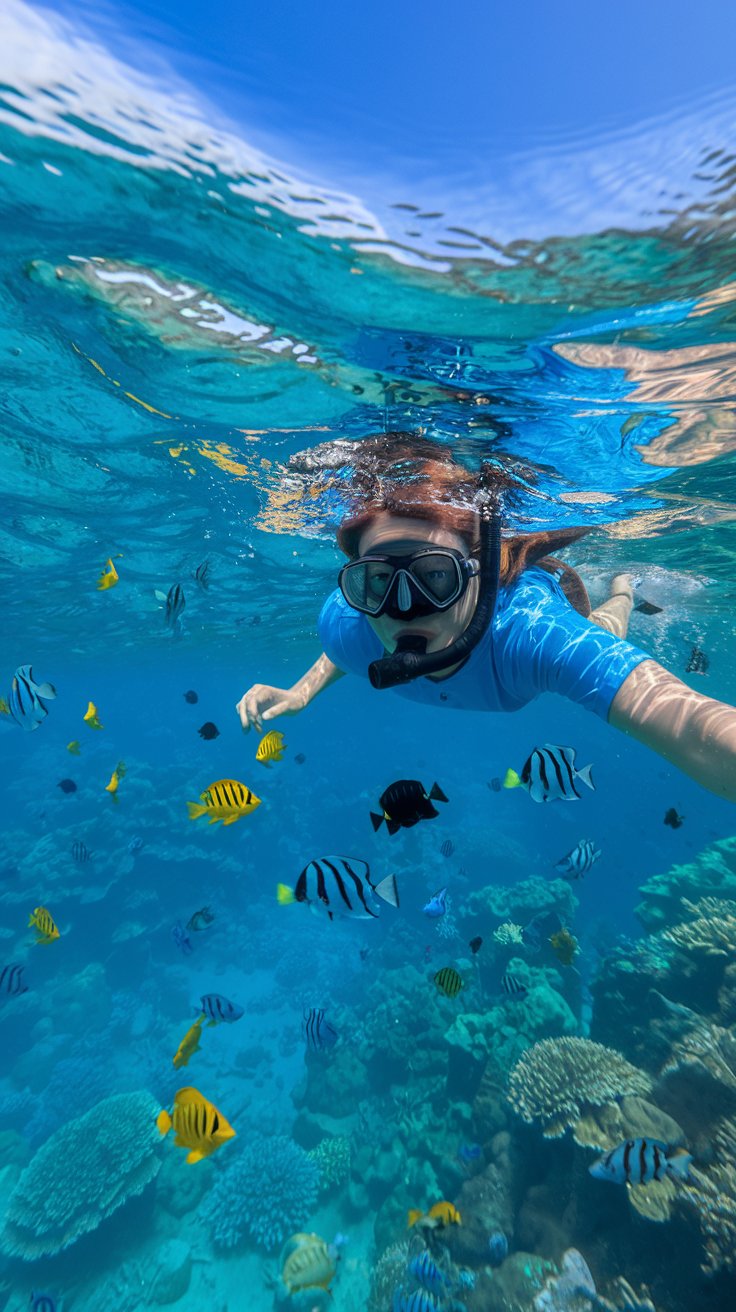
(436, 906)
(43, 1303)
(419, 1301)
(469, 1152)
(426, 1272)
(26, 698)
(317, 1030)
(181, 938)
(218, 1008)
(135, 845)
(498, 1247)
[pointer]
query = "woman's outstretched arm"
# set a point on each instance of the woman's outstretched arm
(695, 733)
(264, 702)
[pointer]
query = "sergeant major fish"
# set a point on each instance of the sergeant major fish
(420, 1300)
(226, 800)
(317, 1030)
(219, 1009)
(42, 921)
(581, 859)
(174, 603)
(340, 886)
(26, 698)
(11, 981)
(426, 1272)
(637, 1161)
(197, 1125)
(550, 775)
(271, 747)
(43, 1303)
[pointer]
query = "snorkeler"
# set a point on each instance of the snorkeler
(435, 604)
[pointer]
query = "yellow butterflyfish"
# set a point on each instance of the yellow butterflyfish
(108, 578)
(197, 1124)
(73, 747)
(226, 800)
(42, 920)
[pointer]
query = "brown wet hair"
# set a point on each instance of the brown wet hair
(406, 474)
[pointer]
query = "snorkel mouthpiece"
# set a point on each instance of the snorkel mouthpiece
(411, 660)
(403, 665)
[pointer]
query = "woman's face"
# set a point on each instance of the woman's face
(396, 534)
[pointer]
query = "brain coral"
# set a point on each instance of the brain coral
(85, 1171)
(557, 1079)
(268, 1191)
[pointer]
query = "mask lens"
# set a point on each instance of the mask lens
(438, 574)
(365, 584)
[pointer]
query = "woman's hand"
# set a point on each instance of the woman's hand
(263, 702)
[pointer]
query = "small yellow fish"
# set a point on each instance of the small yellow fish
(271, 747)
(4, 708)
(197, 1124)
(107, 579)
(117, 774)
(440, 1214)
(226, 800)
(46, 930)
(73, 747)
(308, 1263)
(189, 1044)
(91, 717)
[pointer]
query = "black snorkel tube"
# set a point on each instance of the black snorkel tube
(411, 660)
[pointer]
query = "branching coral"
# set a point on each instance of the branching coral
(573, 1290)
(508, 933)
(267, 1192)
(388, 1272)
(332, 1159)
(85, 1171)
(713, 1194)
(556, 1080)
(709, 1048)
(712, 931)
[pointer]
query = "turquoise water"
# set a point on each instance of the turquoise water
(181, 315)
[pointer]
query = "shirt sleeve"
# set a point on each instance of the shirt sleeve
(346, 636)
(541, 644)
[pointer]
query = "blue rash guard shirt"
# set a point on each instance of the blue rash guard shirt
(536, 643)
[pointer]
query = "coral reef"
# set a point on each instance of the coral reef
(508, 933)
(712, 1192)
(83, 1173)
(711, 874)
(267, 1193)
(555, 1081)
(573, 1289)
(332, 1159)
(713, 931)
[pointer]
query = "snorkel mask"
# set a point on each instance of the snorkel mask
(421, 583)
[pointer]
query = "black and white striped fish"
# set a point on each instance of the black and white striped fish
(218, 1008)
(11, 981)
(43, 1303)
(80, 851)
(174, 601)
(201, 575)
(513, 988)
(637, 1161)
(318, 1033)
(26, 698)
(340, 886)
(549, 775)
(580, 860)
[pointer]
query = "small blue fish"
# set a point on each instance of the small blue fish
(43, 1303)
(426, 1272)
(135, 845)
(469, 1152)
(638, 1161)
(419, 1301)
(219, 1009)
(436, 906)
(26, 698)
(317, 1030)
(181, 938)
(498, 1247)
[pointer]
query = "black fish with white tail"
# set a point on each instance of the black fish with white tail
(405, 803)
(340, 886)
